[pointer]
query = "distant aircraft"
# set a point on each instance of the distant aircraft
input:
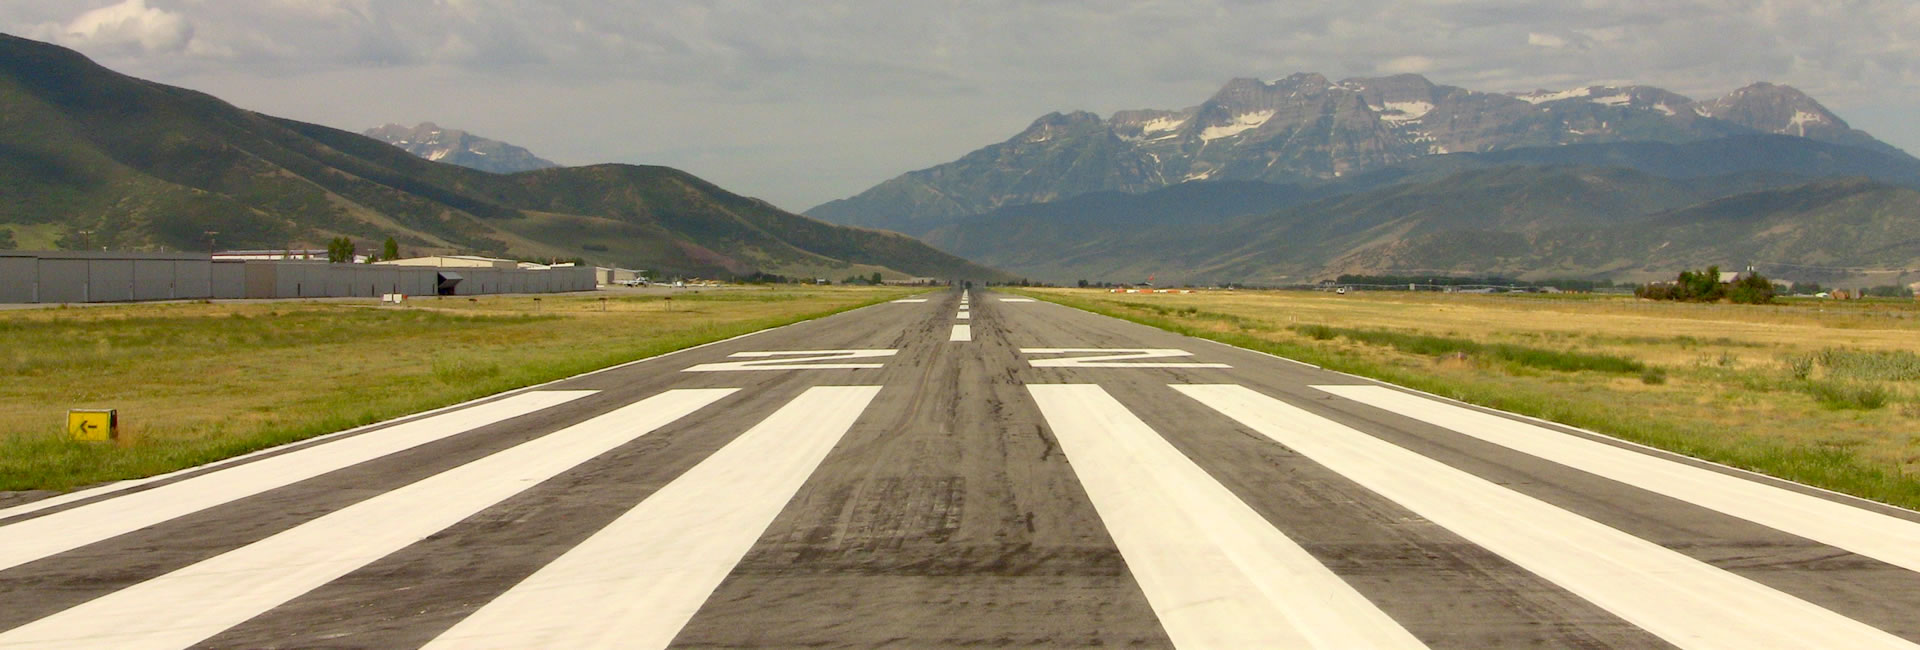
(1149, 281)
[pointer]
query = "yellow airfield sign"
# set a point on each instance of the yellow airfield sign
(93, 425)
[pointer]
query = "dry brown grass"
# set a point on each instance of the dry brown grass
(1720, 382)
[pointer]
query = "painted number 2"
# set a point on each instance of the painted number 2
(796, 360)
(1115, 358)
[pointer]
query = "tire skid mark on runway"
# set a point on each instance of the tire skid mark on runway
(1682, 600)
(40, 537)
(638, 581)
(1216, 573)
(1888, 539)
(189, 605)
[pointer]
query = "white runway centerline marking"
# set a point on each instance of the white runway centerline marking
(635, 583)
(66, 530)
(796, 360)
(963, 315)
(961, 333)
(1115, 358)
(1217, 574)
(197, 602)
(1888, 539)
(1685, 601)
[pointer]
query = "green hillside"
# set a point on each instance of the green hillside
(95, 158)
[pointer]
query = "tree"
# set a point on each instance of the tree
(6, 240)
(340, 249)
(390, 250)
(875, 280)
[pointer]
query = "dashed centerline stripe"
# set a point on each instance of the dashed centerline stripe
(1216, 573)
(636, 583)
(1888, 539)
(1685, 601)
(961, 333)
(197, 602)
(66, 530)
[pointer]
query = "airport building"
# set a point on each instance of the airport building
(72, 276)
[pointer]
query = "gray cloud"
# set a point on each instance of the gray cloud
(801, 102)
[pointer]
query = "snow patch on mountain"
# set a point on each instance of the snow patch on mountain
(1161, 124)
(1542, 96)
(1404, 111)
(1241, 123)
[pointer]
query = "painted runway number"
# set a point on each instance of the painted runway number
(796, 360)
(1115, 358)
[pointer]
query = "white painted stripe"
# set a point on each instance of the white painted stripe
(1892, 540)
(66, 530)
(1216, 573)
(961, 333)
(1687, 602)
(909, 300)
(1116, 358)
(963, 315)
(197, 602)
(1016, 300)
(635, 583)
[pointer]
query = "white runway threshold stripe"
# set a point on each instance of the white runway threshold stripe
(961, 333)
(33, 539)
(1216, 573)
(910, 300)
(1892, 540)
(1016, 300)
(635, 583)
(199, 601)
(1687, 602)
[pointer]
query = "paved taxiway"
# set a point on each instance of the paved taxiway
(962, 468)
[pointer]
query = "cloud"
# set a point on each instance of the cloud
(130, 27)
(1407, 64)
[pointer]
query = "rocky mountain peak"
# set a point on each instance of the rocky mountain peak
(1774, 108)
(457, 147)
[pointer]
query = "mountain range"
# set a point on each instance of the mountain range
(457, 147)
(1753, 199)
(1307, 129)
(90, 157)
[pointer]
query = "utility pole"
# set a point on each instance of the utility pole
(210, 241)
(85, 242)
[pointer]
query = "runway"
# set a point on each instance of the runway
(960, 469)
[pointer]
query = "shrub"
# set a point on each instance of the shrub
(1846, 395)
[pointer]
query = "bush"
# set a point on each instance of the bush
(1705, 286)
(1845, 395)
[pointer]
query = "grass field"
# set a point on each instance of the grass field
(203, 381)
(1825, 393)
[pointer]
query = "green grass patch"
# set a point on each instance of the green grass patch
(1870, 365)
(196, 383)
(1435, 346)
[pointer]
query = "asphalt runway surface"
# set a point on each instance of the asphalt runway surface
(959, 469)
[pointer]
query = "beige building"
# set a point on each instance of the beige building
(455, 262)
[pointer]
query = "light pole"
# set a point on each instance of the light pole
(85, 242)
(210, 241)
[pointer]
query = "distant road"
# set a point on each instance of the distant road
(905, 475)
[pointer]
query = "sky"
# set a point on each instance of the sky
(802, 102)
